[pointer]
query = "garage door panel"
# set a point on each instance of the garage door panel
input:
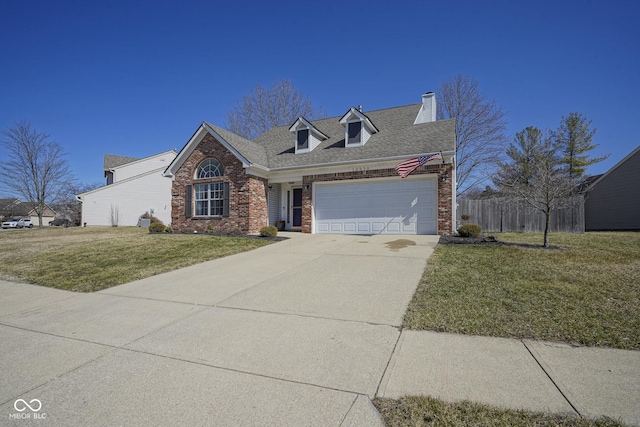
(381, 207)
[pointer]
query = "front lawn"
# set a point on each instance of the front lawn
(96, 258)
(586, 292)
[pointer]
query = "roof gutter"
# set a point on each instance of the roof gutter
(351, 162)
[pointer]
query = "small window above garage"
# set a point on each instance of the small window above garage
(307, 137)
(358, 128)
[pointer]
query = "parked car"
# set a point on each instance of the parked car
(64, 222)
(17, 223)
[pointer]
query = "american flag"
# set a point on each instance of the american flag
(405, 168)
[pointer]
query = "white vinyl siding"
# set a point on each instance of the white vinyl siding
(273, 203)
(139, 167)
(394, 206)
(132, 198)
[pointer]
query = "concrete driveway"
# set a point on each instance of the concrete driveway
(295, 333)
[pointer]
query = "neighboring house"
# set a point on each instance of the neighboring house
(612, 201)
(134, 186)
(333, 175)
(48, 214)
(10, 208)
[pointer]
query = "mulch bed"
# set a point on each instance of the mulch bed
(487, 240)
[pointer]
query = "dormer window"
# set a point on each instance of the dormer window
(302, 139)
(358, 128)
(354, 131)
(307, 136)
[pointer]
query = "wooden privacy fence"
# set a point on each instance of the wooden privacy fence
(505, 215)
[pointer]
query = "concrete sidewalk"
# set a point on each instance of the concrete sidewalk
(534, 375)
(302, 332)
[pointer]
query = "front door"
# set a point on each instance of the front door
(296, 207)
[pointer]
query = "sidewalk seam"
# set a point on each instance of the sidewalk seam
(393, 352)
(551, 379)
(355, 399)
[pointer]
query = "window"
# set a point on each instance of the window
(210, 199)
(355, 132)
(210, 168)
(303, 139)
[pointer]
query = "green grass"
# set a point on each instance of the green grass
(92, 259)
(421, 411)
(587, 292)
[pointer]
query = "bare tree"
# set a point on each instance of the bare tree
(68, 206)
(265, 108)
(480, 129)
(34, 166)
(114, 215)
(536, 174)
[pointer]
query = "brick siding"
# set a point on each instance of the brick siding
(247, 194)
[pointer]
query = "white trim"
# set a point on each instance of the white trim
(361, 116)
(193, 142)
(113, 169)
(115, 184)
(445, 154)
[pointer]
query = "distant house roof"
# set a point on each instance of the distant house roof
(16, 207)
(8, 207)
(588, 182)
(397, 138)
(112, 161)
(5, 203)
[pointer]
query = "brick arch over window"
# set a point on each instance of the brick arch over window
(209, 168)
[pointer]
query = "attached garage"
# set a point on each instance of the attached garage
(394, 206)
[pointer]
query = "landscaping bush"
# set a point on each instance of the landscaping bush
(153, 219)
(469, 230)
(157, 227)
(269, 231)
(168, 230)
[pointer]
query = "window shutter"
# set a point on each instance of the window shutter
(225, 197)
(187, 202)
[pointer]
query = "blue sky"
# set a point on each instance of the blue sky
(135, 78)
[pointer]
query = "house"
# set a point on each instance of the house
(134, 186)
(612, 201)
(10, 208)
(335, 175)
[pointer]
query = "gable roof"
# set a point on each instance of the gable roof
(607, 173)
(20, 208)
(112, 161)
(5, 203)
(307, 124)
(361, 116)
(397, 138)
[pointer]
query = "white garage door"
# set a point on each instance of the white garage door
(397, 206)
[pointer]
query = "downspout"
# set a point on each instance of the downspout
(454, 200)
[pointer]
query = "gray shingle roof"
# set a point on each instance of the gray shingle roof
(253, 152)
(111, 161)
(398, 137)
